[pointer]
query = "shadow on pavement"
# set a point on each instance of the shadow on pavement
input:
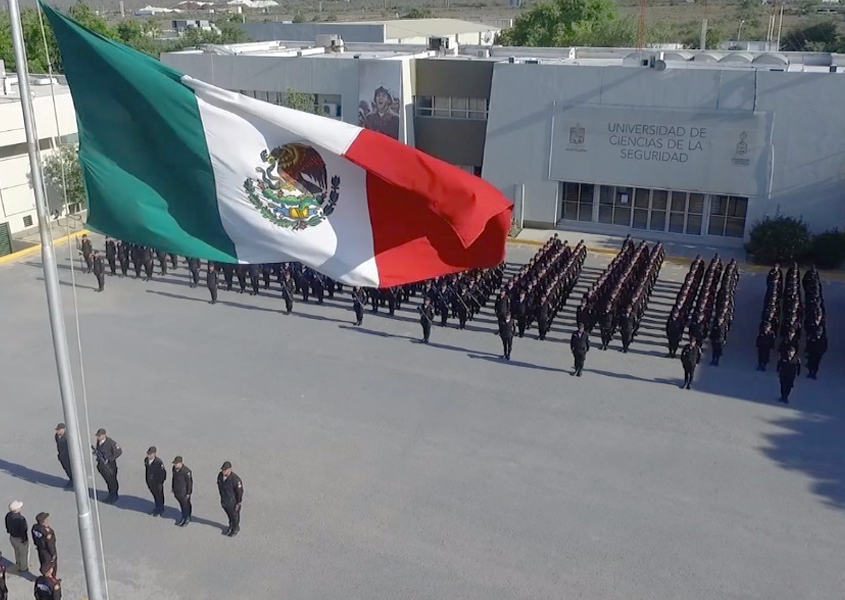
(513, 363)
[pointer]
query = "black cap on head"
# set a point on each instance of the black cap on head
(177, 460)
(60, 426)
(152, 450)
(41, 517)
(101, 431)
(226, 465)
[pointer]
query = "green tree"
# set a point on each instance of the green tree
(301, 101)
(568, 23)
(822, 36)
(63, 173)
(418, 13)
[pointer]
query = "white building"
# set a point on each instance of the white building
(17, 202)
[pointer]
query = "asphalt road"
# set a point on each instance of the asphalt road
(376, 467)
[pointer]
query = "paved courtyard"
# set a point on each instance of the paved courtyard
(379, 468)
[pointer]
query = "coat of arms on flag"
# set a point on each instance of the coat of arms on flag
(293, 190)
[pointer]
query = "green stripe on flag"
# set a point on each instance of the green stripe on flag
(146, 163)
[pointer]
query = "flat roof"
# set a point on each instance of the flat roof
(37, 86)
(397, 29)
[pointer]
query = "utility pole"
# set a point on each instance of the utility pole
(91, 556)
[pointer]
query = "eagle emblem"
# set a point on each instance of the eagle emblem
(292, 188)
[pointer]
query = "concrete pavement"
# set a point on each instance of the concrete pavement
(377, 467)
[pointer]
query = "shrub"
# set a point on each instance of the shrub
(779, 239)
(827, 250)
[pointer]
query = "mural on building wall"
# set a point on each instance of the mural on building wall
(380, 105)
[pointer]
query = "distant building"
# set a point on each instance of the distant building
(182, 25)
(400, 31)
(151, 11)
(17, 202)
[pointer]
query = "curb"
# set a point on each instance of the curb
(14, 256)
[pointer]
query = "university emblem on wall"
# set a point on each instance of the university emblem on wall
(292, 190)
(742, 146)
(576, 135)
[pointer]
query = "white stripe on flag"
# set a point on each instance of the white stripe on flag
(237, 130)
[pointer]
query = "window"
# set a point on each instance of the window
(727, 216)
(445, 107)
(577, 201)
(27, 221)
(615, 205)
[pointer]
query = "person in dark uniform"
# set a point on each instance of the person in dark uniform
(228, 275)
(161, 256)
(690, 357)
(194, 268)
(107, 451)
(241, 272)
(147, 260)
(789, 368)
(137, 259)
(64, 452)
(47, 587)
(111, 255)
(507, 329)
(211, 281)
(765, 345)
(626, 328)
(4, 588)
(580, 345)
(182, 484)
(674, 332)
(87, 250)
(520, 312)
(318, 288)
(606, 326)
(174, 260)
(254, 277)
(816, 346)
(266, 274)
(44, 539)
(99, 270)
(156, 475)
(288, 288)
(544, 321)
(718, 335)
(123, 257)
(231, 490)
(359, 299)
(426, 317)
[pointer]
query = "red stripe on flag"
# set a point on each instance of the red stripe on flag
(428, 217)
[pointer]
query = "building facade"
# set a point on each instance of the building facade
(17, 201)
(683, 146)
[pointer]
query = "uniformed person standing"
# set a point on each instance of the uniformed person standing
(765, 345)
(123, 257)
(47, 587)
(111, 255)
(789, 368)
(359, 299)
(690, 357)
(254, 278)
(544, 321)
(241, 271)
(674, 332)
(156, 475)
(580, 345)
(288, 288)
(228, 275)
(231, 490)
(718, 335)
(99, 270)
(182, 485)
(63, 452)
(107, 451)
(147, 260)
(194, 268)
(816, 346)
(211, 281)
(426, 317)
(161, 256)
(507, 329)
(626, 328)
(87, 250)
(44, 539)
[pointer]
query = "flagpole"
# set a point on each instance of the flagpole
(91, 557)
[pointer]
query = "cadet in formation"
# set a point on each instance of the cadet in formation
(47, 587)
(182, 483)
(99, 271)
(107, 451)
(359, 299)
(63, 452)
(765, 344)
(789, 368)
(211, 281)
(690, 357)
(580, 345)
(44, 539)
(231, 490)
(156, 475)
(426, 318)
(507, 329)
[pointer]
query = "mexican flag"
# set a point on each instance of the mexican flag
(176, 164)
